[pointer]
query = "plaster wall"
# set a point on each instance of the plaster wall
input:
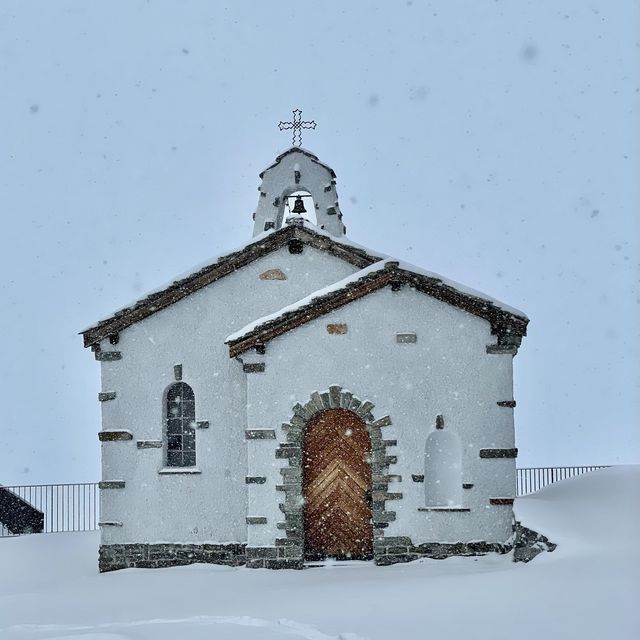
(446, 371)
(209, 506)
(279, 181)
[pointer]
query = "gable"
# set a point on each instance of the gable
(302, 151)
(295, 236)
(509, 324)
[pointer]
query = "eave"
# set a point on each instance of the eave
(509, 327)
(225, 265)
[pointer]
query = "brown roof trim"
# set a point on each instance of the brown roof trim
(309, 155)
(507, 326)
(225, 265)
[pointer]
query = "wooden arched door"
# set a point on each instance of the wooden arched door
(337, 486)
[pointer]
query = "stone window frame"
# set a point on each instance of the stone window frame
(185, 429)
(293, 506)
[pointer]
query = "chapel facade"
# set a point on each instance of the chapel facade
(304, 397)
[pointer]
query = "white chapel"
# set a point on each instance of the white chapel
(304, 397)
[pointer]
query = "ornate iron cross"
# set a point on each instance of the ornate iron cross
(297, 125)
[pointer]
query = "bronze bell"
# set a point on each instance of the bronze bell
(298, 206)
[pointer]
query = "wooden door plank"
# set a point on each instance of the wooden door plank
(336, 485)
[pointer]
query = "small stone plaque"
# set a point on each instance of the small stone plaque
(337, 328)
(273, 274)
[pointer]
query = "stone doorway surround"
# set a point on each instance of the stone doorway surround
(288, 552)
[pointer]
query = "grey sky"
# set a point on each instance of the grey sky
(496, 143)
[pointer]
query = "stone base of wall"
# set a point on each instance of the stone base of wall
(285, 557)
(393, 550)
(152, 556)
(387, 551)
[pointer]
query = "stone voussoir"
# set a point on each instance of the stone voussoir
(335, 396)
(365, 408)
(385, 421)
(345, 399)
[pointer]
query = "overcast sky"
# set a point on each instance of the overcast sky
(496, 143)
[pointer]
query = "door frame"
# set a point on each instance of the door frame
(292, 505)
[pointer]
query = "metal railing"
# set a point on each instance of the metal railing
(75, 507)
(66, 507)
(532, 479)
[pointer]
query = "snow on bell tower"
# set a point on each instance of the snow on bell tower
(296, 185)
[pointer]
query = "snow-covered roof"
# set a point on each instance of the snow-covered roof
(370, 263)
(220, 266)
(505, 320)
(304, 302)
(461, 288)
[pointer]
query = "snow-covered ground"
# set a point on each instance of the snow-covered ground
(588, 588)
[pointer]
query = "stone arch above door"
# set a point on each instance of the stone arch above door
(293, 504)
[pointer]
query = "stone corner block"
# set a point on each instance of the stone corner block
(260, 434)
(107, 356)
(253, 367)
(114, 436)
(499, 453)
(149, 444)
(111, 484)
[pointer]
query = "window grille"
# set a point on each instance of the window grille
(181, 423)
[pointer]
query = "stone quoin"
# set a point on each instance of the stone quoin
(306, 397)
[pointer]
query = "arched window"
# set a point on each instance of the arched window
(443, 469)
(181, 422)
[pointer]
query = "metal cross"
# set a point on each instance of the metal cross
(297, 125)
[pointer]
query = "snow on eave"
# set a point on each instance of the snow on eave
(320, 293)
(430, 283)
(463, 289)
(185, 275)
(203, 267)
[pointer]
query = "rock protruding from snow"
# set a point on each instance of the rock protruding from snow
(529, 543)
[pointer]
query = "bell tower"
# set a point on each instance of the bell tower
(297, 171)
(298, 175)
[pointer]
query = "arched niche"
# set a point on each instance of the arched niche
(443, 469)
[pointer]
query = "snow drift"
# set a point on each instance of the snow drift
(588, 588)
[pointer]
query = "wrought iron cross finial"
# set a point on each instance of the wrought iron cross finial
(297, 125)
